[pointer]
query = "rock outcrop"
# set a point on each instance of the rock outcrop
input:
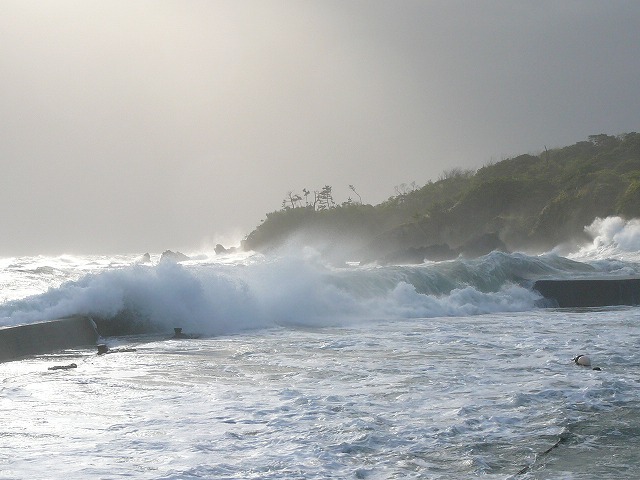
(173, 256)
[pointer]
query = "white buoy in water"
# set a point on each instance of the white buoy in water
(583, 360)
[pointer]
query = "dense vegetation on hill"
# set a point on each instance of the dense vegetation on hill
(530, 202)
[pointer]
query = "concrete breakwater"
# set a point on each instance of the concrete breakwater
(598, 292)
(45, 337)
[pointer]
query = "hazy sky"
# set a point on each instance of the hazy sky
(134, 126)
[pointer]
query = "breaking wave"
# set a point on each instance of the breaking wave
(213, 298)
(614, 238)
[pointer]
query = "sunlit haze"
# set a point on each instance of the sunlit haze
(135, 126)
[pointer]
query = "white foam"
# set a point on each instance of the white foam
(217, 298)
(406, 302)
(613, 238)
(230, 293)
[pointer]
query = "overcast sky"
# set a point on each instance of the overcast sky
(132, 126)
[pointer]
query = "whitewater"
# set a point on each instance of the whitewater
(305, 370)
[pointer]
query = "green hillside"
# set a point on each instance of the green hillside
(530, 202)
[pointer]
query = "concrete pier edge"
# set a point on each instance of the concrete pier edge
(46, 337)
(590, 292)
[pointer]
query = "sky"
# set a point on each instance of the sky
(143, 125)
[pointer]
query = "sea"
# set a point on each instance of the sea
(299, 369)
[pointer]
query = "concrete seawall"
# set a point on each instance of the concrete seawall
(45, 337)
(591, 292)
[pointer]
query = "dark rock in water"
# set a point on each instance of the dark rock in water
(482, 245)
(475, 247)
(63, 367)
(220, 249)
(416, 255)
(173, 256)
(177, 334)
(104, 349)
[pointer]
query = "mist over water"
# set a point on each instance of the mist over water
(305, 370)
(223, 294)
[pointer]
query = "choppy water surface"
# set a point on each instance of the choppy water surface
(421, 398)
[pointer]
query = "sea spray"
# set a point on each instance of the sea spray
(216, 295)
(614, 238)
(214, 298)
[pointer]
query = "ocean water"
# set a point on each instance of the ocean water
(303, 370)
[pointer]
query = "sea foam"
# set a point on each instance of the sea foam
(614, 238)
